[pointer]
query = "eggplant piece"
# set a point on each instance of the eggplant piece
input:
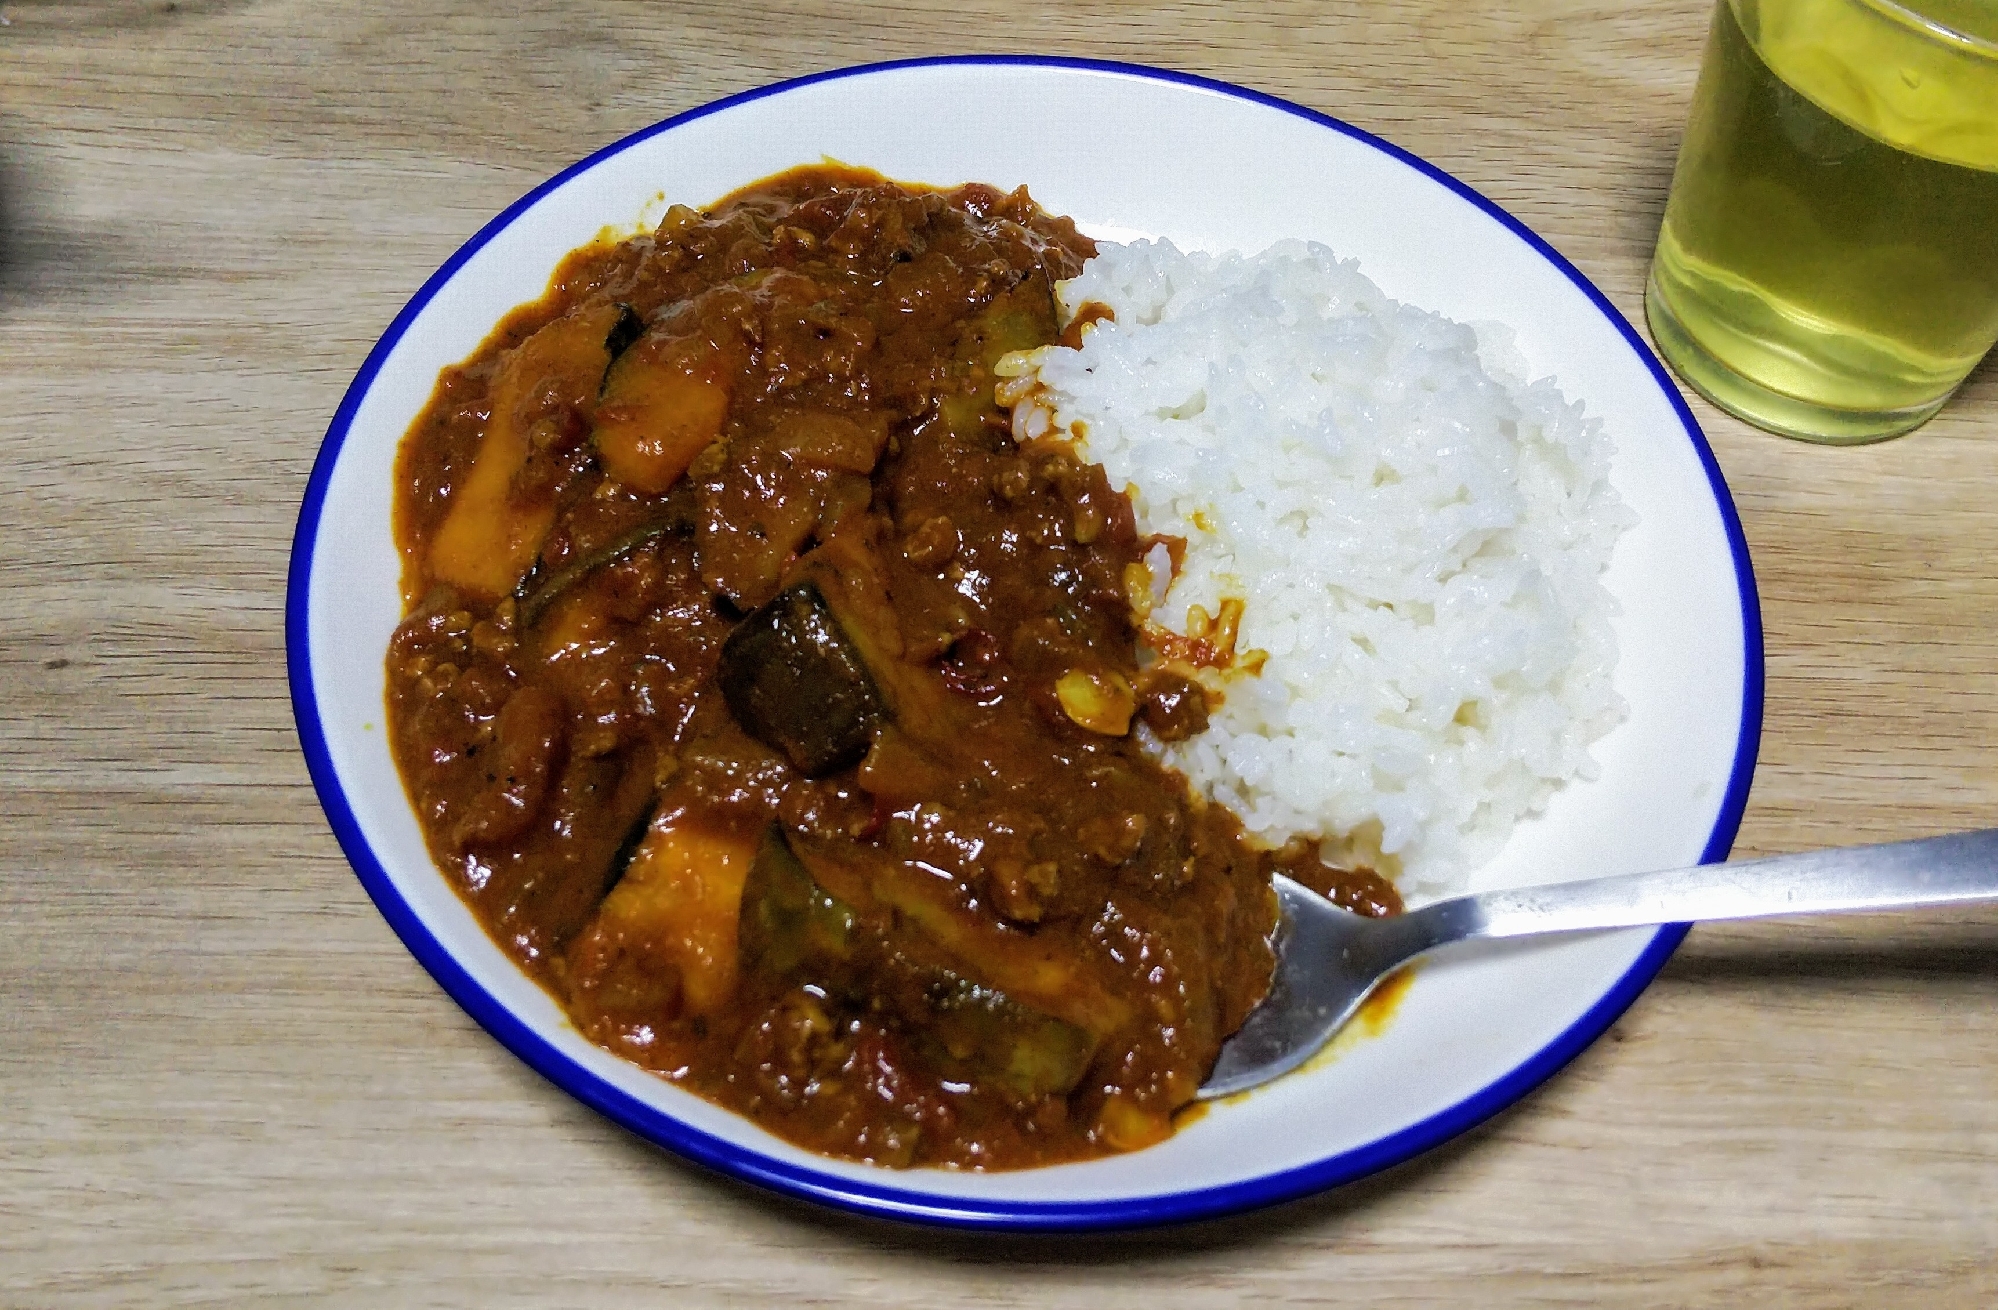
(791, 925)
(628, 329)
(795, 681)
(627, 847)
(849, 577)
(985, 1032)
(536, 593)
(1021, 318)
(794, 929)
(571, 855)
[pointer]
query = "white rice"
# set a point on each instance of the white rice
(1417, 533)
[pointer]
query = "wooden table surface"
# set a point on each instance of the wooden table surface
(222, 1078)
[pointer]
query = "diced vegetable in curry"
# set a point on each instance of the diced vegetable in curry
(776, 712)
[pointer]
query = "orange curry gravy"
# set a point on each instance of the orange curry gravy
(773, 709)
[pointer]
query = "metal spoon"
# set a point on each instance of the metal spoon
(1328, 959)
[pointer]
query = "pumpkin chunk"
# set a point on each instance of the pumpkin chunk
(490, 534)
(662, 405)
(673, 913)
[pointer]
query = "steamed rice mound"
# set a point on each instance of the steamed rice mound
(1417, 535)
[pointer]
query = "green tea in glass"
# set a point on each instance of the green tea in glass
(1828, 264)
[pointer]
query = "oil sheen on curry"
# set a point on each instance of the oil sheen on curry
(774, 709)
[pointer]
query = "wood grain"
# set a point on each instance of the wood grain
(225, 1081)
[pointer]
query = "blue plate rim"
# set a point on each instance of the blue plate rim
(905, 1204)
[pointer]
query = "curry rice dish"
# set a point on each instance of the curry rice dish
(774, 708)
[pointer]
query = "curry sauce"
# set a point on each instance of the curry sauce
(774, 709)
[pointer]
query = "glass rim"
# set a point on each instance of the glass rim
(1925, 25)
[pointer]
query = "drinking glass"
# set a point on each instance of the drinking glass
(1828, 264)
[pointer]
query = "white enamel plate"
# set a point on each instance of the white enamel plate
(1127, 152)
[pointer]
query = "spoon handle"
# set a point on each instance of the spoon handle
(1951, 870)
